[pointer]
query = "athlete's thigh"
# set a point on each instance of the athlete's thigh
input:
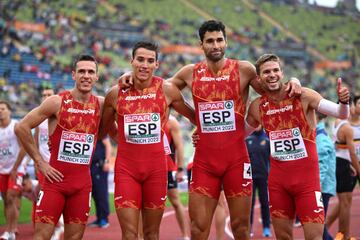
(49, 206)
(283, 227)
(154, 190)
(237, 180)
(313, 230)
(281, 201)
(77, 207)
(239, 208)
(74, 231)
(201, 209)
(205, 183)
(309, 205)
(128, 219)
(128, 192)
(43, 230)
(151, 220)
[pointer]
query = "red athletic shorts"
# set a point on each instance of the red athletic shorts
(73, 200)
(294, 187)
(141, 185)
(229, 166)
(7, 183)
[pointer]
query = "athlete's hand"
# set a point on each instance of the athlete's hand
(293, 87)
(125, 80)
(353, 171)
(49, 172)
(342, 92)
(195, 137)
(13, 174)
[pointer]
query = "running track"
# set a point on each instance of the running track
(169, 229)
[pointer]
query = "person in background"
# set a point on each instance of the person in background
(11, 170)
(99, 177)
(259, 152)
(327, 165)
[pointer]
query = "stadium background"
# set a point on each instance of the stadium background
(40, 38)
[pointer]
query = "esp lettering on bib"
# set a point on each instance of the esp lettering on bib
(217, 116)
(142, 128)
(75, 147)
(287, 145)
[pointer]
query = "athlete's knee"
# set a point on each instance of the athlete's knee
(151, 234)
(240, 227)
(74, 236)
(11, 197)
(129, 235)
(42, 234)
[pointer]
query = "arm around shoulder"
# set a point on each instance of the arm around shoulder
(252, 120)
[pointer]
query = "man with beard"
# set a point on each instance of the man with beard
(290, 122)
(220, 88)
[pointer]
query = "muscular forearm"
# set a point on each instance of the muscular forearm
(19, 158)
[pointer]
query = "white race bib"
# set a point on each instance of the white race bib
(76, 148)
(287, 145)
(217, 116)
(142, 128)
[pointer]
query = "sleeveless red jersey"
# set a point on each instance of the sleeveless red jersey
(142, 116)
(74, 139)
(291, 138)
(219, 106)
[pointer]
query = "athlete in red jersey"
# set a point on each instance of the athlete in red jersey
(140, 169)
(220, 89)
(73, 118)
(290, 122)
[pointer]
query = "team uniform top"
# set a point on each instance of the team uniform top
(219, 105)
(43, 140)
(9, 149)
(294, 179)
(142, 115)
(74, 139)
(341, 148)
(291, 137)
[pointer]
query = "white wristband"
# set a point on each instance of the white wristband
(332, 109)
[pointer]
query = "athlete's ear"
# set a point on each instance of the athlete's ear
(201, 44)
(157, 65)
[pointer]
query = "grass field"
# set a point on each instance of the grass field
(26, 207)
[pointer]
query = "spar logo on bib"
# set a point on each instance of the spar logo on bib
(142, 128)
(287, 145)
(217, 116)
(75, 147)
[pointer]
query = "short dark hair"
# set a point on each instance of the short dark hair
(266, 58)
(211, 26)
(147, 45)
(85, 57)
(355, 99)
(7, 104)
